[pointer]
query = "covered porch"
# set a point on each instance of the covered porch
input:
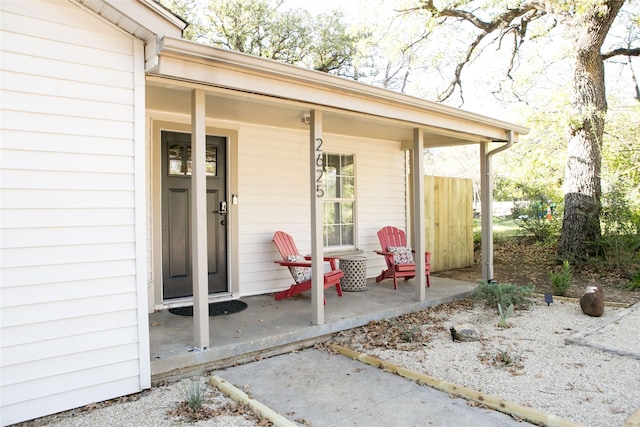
(268, 327)
(278, 122)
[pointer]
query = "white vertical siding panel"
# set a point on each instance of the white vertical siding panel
(71, 242)
(275, 196)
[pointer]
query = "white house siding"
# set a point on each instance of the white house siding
(70, 328)
(274, 195)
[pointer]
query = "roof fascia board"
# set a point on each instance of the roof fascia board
(284, 80)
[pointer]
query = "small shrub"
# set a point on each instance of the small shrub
(193, 394)
(533, 218)
(477, 238)
(561, 282)
(618, 247)
(543, 230)
(407, 333)
(634, 284)
(505, 294)
(507, 357)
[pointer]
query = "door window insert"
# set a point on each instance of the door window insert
(179, 157)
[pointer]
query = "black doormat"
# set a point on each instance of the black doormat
(215, 308)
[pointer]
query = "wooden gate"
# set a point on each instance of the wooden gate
(449, 221)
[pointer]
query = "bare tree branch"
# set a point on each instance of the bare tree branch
(505, 22)
(621, 52)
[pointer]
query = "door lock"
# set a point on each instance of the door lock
(223, 208)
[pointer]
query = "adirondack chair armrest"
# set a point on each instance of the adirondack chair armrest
(427, 256)
(388, 256)
(385, 253)
(330, 260)
(327, 258)
(293, 264)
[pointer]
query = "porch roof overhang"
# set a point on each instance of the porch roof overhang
(246, 88)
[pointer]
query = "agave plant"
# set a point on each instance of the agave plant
(504, 315)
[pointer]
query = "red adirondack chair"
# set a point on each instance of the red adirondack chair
(300, 267)
(399, 257)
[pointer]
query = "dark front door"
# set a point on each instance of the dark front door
(176, 214)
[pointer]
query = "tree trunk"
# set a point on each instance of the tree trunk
(581, 221)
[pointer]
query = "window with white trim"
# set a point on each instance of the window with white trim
(339, 202)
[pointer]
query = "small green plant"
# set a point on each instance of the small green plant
(193, 394)
(507, 357)
(504, 315)
(505, 294)
(561, 282)
(407, 333)
(634, 284)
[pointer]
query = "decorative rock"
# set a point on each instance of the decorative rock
(592, 301)
(465, 332)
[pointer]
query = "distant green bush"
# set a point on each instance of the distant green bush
(618, 248)
(634, 284)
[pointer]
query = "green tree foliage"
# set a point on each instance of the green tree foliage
(265, 28)
(621, 152)
(586, 24)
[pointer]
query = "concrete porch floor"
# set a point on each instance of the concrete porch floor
(272, 327)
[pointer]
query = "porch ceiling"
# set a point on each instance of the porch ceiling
(175, 97)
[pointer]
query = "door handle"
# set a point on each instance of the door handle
(223, 208)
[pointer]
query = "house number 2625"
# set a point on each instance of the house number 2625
(319, 169)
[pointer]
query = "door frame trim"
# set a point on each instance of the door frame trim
(155, 289)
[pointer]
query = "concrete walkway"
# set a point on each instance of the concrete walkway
(313, 387)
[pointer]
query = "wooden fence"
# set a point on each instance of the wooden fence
(449, 222)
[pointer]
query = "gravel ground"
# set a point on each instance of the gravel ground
(528, 363)
(157, 407)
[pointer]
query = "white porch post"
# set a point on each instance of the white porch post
(486, 198)
(199, 222)
(317, 192)
(419, 242)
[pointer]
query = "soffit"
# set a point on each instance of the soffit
(175, 97)
(143, 19)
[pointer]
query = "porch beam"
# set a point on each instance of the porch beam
(418, 239)
(199, 221)
(316, 193)
(486, 214)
